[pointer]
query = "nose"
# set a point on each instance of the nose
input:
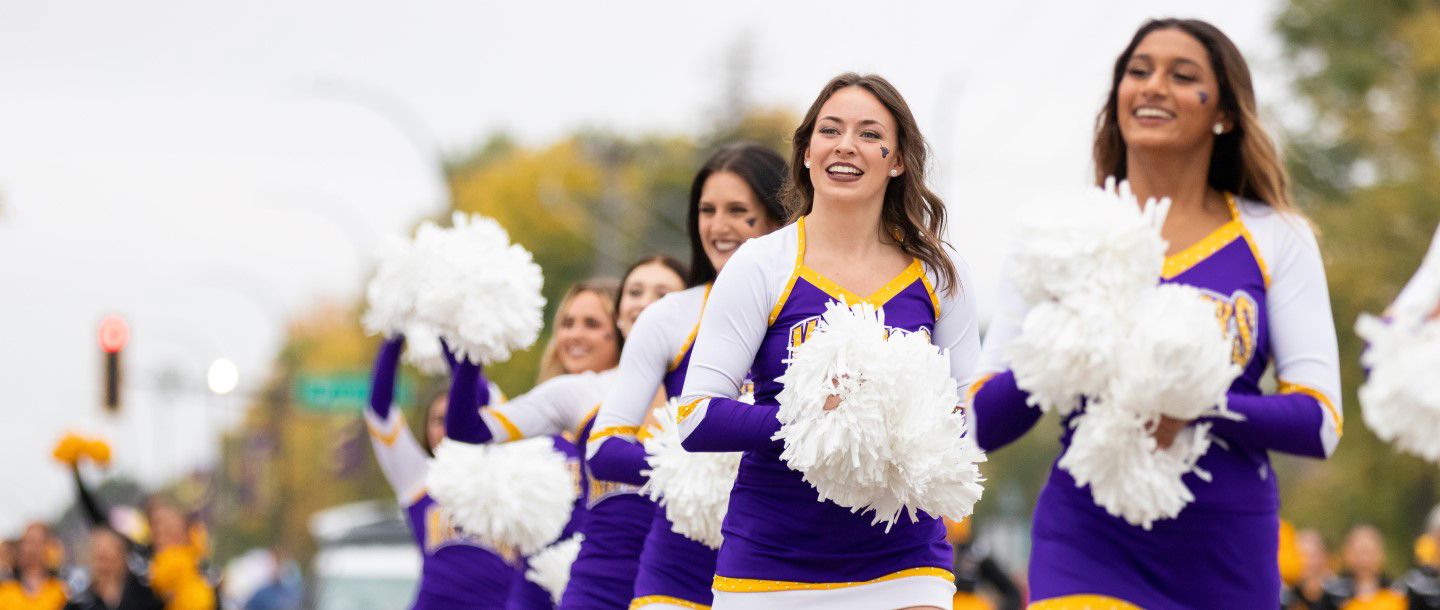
(1154, 86)
(846, 145)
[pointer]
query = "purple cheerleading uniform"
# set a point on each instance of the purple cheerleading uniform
(525, 594)
(672, 570)
(617, 518)
(1262, 270)
(557, 407)
(779, 538)
(457, 571)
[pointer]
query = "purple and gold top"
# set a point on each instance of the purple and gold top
(672, 569)
(457, 571)
(1264, 274)
(778, 535)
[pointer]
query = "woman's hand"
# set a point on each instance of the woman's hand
(1167, 429)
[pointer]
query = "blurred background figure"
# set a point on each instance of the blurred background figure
(36, 584)
(1422, 583)
(111, 583)
(1307, 591)
(284, 589)
(1362, 584)
(975, 569)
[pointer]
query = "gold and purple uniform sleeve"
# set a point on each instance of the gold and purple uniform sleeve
(1305, 416)
(736, 318)
(614, 453)
(401, 458)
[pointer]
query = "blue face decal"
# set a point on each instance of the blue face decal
(750, 221)
(884, 152)
(1204, 97)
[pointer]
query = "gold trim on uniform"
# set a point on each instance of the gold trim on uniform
(1083, 602)
(387, 437)
(641, 602)
(509, 426)
(630, 431)
(749, 585)
(690, 341)
(1287, 387)
(686, 409)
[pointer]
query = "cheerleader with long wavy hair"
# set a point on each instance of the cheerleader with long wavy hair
(1181, 122)
(865, 229)
(733, 198)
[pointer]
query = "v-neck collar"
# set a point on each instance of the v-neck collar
(882, 295)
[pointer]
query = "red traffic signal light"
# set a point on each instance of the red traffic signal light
(114, 333)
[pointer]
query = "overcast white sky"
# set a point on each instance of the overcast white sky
(174, 161)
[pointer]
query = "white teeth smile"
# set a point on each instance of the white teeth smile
(725, 246)
(577, 351)
(1153, 113)
(844, 169)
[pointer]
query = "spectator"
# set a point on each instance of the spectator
(112, 585)
(1422, 583)
(35, 586)
(1362, 584)
(1308, 590)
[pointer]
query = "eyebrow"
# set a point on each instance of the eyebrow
(863, 122)
(1179, 60)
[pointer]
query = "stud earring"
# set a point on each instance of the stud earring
(894, 173)
(1219, 128)
(807, 164)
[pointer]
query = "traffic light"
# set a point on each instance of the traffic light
(114, 334)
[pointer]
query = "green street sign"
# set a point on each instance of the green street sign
(343, 392)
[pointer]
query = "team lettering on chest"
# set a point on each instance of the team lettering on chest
(1239, 317)
(440, 532)
(801, 331)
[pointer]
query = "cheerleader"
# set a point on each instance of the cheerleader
(36, 586)
(456, 571)
(733, 198)
(586, 339)
(865, 223)
(1180, 122)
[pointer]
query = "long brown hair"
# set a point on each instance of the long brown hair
(912, 213)
(1244, 160)
(608, 289)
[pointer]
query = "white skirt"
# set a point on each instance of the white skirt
(885, 595)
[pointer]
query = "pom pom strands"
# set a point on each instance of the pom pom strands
(694, 488)
(468, 283)
(512, 495)
(1102, 243)
(550, 568)
(1400, 400)
(895, 443)
(1138, 352)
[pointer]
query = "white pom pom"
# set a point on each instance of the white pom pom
(1065, 351)
(1174, 359)
(1129, 476)
(390, 295)
(1400, 400)
(895, 442)
(516, 494)
(550, 568)
(423, 350)
(1100, 241)
(694, 488)
(480, 292)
